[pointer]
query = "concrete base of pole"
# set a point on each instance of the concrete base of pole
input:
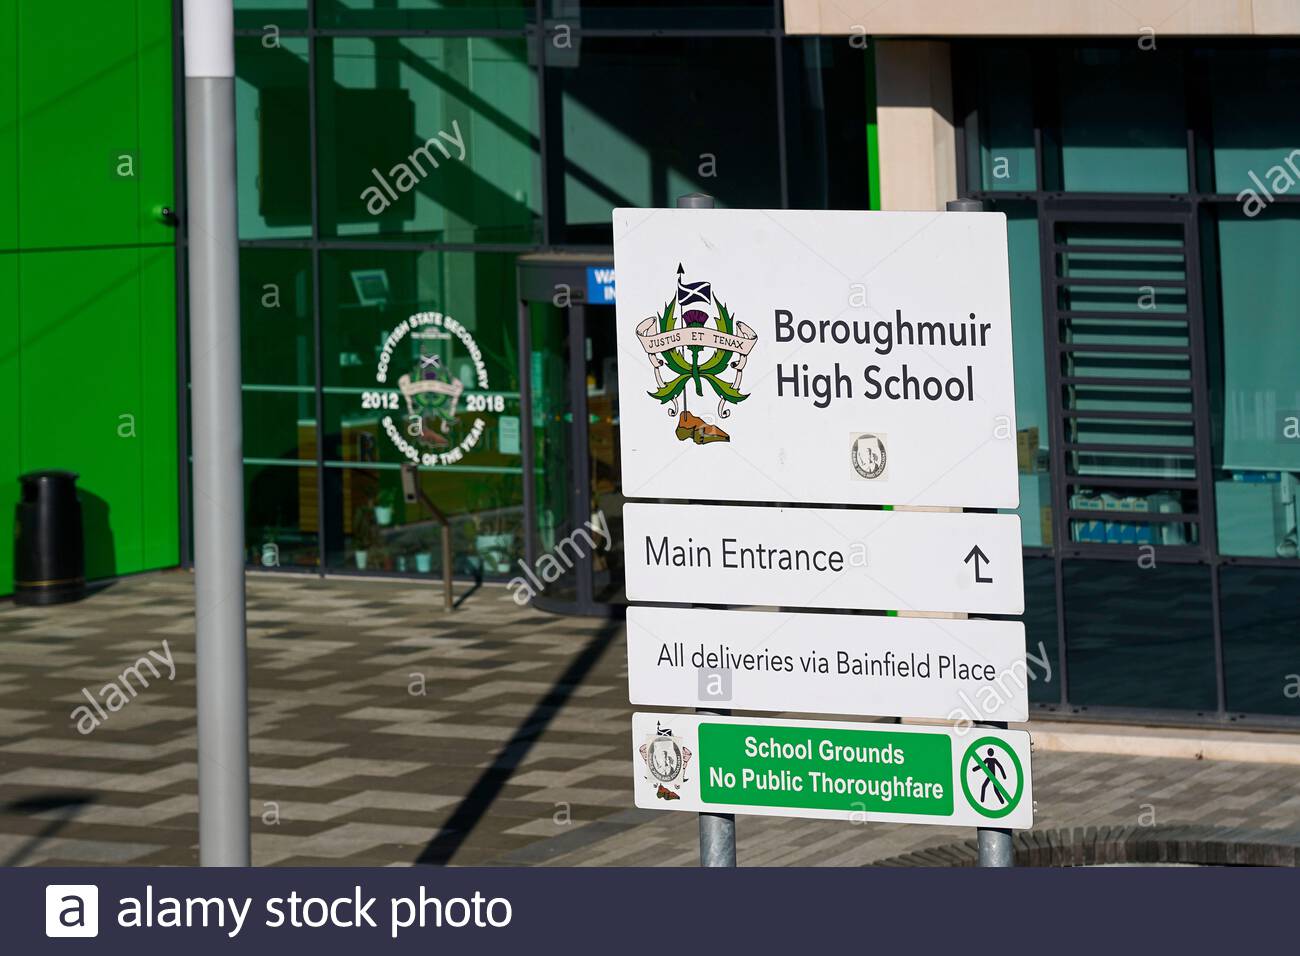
(216, 422)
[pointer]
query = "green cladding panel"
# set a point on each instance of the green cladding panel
(8, 132)
(9, 391)
(87, 271)
(65, 350)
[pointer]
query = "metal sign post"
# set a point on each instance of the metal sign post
(994, 842)
(717, 830)
(801, 359)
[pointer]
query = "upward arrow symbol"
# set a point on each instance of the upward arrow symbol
(977, 554)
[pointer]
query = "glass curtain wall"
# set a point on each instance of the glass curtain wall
(1153, 201)
(396, 157)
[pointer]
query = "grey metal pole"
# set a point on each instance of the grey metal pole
(413, 493)
(447, 603)
(717, 834)
(216, 421)
(695, 201)
(717, 830)
(994, 842)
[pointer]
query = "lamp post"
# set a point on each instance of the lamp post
(216, 424)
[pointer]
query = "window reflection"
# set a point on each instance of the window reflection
(429, 138)
(643, 123)
(1259, 457)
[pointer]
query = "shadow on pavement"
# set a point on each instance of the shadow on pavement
(69, 803)
(470, 812)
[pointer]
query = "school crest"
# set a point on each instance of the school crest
(432, 396)
(695, 344)
(666, 759)
(441, 380)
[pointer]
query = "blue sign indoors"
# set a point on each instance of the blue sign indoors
(600, 285)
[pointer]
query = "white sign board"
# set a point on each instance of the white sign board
(832, 770)
(823, 557)
(957, 670)
(803, 357)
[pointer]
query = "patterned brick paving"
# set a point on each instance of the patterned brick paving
(385, 732)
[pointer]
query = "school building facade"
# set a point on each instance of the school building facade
(426, 159)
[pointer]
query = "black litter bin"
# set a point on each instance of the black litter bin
(49, 542)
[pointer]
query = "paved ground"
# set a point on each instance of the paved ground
(385, 732)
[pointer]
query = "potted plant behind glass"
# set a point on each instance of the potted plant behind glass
(384, 508)
(494, 538)
(365, 537)
(269, 553)
(402, 554)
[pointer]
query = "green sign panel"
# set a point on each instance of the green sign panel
(835, 770)
(830, 770)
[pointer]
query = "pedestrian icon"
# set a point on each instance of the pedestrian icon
(991, 777)
(991, 769)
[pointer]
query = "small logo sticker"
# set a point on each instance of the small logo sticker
(867, 455)
(666, 758)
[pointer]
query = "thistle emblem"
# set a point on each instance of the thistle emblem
(698, 342)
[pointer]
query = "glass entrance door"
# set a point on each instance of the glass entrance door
(574, 500)
(604, 467)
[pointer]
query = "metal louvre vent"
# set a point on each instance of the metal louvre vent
(1132, 467)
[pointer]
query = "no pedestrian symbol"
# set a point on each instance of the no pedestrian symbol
(991, 777)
